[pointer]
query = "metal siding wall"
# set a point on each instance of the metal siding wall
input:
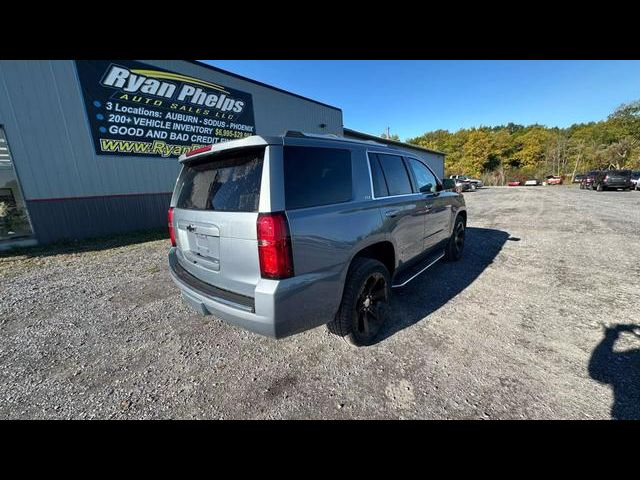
(435, 161)
(44, 116)
(46, 125)
(45, 121)
(72, 219)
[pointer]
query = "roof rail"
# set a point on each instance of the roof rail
(331, 136)
(296, 133)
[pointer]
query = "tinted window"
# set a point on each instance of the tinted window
(379, 184)
(395, 174)
(230, 183)
(316, 176)
(423, 176)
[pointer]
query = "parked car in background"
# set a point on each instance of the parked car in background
(532, 183)
(554, 180)
(587, 181)
(635, 179)
(578, 178)
(474, 181)
(514, 184)
(282, 234)
(463, 185)
(612, 180)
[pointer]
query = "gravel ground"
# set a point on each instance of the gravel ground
(514, 330)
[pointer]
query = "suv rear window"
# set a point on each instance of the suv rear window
(227, 183)
(316, 176)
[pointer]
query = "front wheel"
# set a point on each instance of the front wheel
(453, 251)
(365, 303)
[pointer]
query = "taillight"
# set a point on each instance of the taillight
(606, 177)
(274, 246)
(172, 233)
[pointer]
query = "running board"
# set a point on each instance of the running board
(413, 272)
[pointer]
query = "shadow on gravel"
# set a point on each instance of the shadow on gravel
(88, 245)
(621, 370)
(444, 280)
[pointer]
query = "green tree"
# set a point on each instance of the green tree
(518, 151)
(626, 119)
(477, 152)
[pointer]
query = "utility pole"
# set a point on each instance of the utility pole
(388, 135)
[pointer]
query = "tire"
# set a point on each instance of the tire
(360, 317)
(455, 246)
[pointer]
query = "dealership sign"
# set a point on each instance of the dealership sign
(136, 109)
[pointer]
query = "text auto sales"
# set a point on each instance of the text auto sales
(198, 100)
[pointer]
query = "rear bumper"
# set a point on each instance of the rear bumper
(621, 184)
(279, 308)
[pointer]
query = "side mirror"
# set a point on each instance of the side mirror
(448, 184)
(426, 188)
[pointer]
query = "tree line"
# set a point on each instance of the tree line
(517, 152)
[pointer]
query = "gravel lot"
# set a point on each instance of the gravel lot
(514, 330)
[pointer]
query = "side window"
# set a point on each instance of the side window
(425, 180)
(316, 176)
(379, 184)
(395, 174)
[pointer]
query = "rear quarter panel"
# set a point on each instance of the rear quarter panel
(325, 238)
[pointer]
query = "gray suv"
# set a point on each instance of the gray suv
(282, 234)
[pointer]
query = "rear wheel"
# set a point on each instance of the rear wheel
(455, 246)
(365, 303)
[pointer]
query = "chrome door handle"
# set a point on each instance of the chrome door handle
(391, 213)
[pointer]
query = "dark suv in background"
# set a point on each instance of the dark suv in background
(612, 179)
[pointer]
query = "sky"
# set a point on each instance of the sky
(413, 97)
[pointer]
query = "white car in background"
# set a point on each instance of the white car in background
(532, 183)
